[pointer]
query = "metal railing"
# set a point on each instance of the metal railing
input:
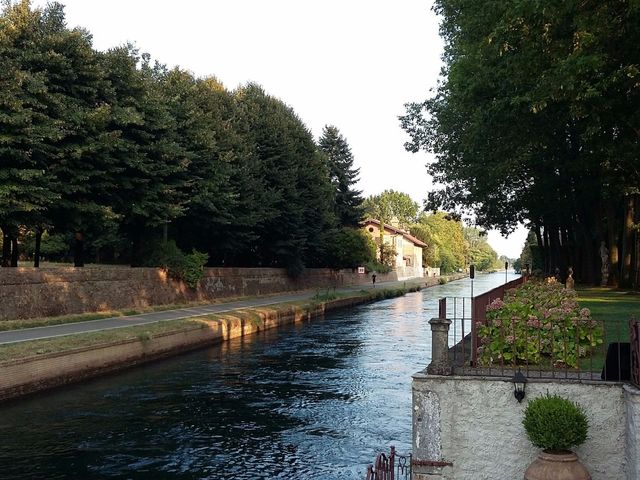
(561, 353)
(390, 467)
(479, 308)
(634, 340)
(551, 351)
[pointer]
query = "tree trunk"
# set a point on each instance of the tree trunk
(78, 250)
(14, 251)
(136, 247)
(36, 254)
(627, 242)
(614, 252)
(6, 247)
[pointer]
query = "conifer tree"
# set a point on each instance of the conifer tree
(348, 201)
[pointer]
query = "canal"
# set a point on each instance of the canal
(312, 401)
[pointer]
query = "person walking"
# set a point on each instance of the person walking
(373, 279)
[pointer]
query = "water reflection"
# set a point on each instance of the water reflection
(312, 401)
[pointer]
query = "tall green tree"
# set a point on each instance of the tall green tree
(145, 148)
(389, 204)
(297, 207)
(348, 201)
(532, 123)
(444, 236)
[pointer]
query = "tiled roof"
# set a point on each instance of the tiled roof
(395, 230)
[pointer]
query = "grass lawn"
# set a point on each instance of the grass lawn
(614, 308)
(13, 351)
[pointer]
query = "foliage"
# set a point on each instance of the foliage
(348, 202)
(535, 122)
(444, 236)
(479, 252)
(188, 268)
(388, 255)
(193, 271)
(531, 254)
(555, 423)
(347, 248)
(538, 322)
(297, 206)
(389, 204)
(116, 148)
(54, 246)
(377, 267)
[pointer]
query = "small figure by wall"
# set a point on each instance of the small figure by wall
(570, 284)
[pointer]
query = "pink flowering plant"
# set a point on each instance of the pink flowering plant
(538, 323)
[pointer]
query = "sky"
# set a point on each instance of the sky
(348, 63)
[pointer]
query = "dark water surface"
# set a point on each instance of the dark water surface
(312, 401)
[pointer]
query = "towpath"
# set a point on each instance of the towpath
(37, 333)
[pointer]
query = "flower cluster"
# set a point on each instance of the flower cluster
(538, 323)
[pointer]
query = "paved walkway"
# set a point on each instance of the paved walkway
(37, 333)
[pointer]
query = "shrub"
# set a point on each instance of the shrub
(188, 268)
(555, 423)
(193, 267)
(376, 267)
(388, 255)
(347, 248)
(538, 321)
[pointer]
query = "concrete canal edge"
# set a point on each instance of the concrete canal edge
(37, 373)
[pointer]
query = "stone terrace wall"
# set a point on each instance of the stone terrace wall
(470, 428)
(31, 292)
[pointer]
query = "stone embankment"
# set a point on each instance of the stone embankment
(40, 372)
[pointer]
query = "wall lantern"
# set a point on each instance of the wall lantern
(519, 383)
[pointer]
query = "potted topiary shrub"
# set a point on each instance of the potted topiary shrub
(555, 424)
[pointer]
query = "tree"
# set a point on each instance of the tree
(532, 123)
(296, 205)
(348, 201)
(444, 236)
(26, 192)
(389, 204)
(479, 252)
(145, 148)
(347, 248)
(204, 111)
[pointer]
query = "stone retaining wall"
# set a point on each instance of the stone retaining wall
(46, 292)
(470, 428)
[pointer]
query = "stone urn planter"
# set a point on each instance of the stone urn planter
(555, 424)
(557, 466)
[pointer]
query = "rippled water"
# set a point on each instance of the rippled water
(312, 401)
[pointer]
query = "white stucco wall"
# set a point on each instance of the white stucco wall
(481, 432)
(632, 402)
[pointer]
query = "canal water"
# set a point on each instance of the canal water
(311, 401)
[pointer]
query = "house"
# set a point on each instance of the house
(408, 261)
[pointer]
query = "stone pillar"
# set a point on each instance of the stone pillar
(440, 364)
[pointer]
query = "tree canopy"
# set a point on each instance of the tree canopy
(114, 153)
(389, 204)
(348, 201)
(536, 121)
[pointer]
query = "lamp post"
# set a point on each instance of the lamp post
(472, 275)
(519, 385)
